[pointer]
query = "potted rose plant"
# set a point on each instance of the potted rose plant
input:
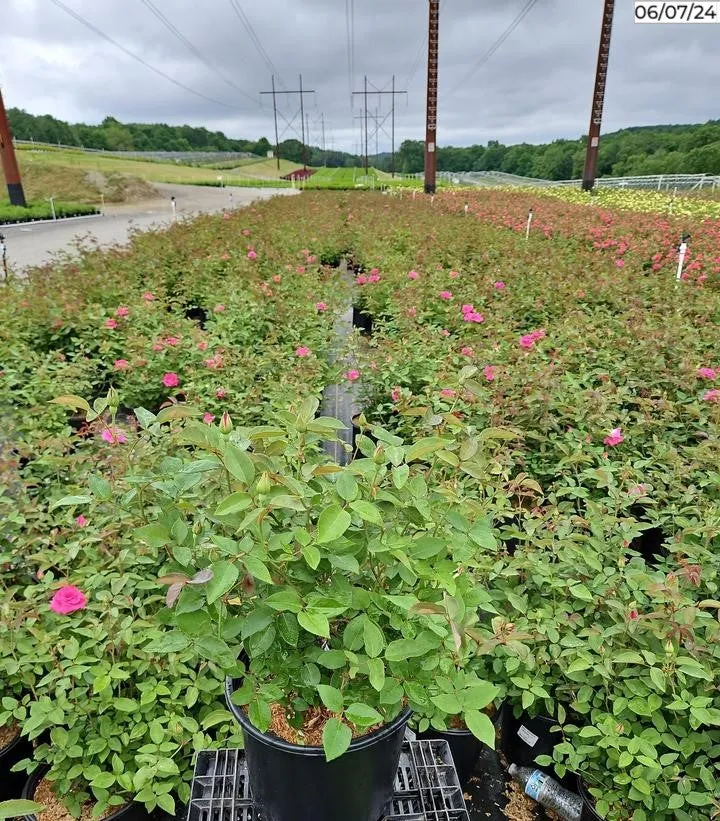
(345, 593)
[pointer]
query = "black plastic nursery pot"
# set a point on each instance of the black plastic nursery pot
(130, 812)
(289, 782)
(525, 738)
(11, 784)
(588, 812)
(464, 747)
(362, 320)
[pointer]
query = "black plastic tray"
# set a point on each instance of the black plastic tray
(426, 786)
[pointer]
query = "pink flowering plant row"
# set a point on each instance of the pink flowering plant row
(551, 414)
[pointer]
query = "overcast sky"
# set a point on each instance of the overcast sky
(537, 87)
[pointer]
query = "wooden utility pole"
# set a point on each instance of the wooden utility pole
(277, 139)
(302, 92)
(593, 140)
(10, 166)
(432, 91)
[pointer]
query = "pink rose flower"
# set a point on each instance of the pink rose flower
(374, 278)
(245, 232)
(252, 255)
(172, 341)
(121, 365)
(81, 521)
(638, 490)
(67, 600)
(620, 263)
(302, 351)
(114, 436)
(707, 373)
(202, 346)
(615, 437)
(219, 309)
(208, 418)
(454, 274)
(171, 380)
(277, 278)
(158, 346)
(499, 286)
(413, 275)
(148, 296)
(221, 393)
(395, 394)
(448, 393)
(300, 269)
(215, 362)
(445, 332)
(111, 323)
(712, 396)
(361, 280)
(123, 310)
(351, 376)
(411, 312)
(446, 295)
(467, 351)
(467, 309)
(474, 316)
(489, 373)
(320, 306)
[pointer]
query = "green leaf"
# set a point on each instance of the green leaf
(19, 806)
(367, 511)
(239, 464)
(260, 714)
(448, 703)
(103, 781)
(172, 642)
(658, 679)
(257, 568)
(71, 401)
(346, 486)
(376, 673)
(363, 715)
(333, 522)
(402, 649)
(224, 577)
(424, 447)
(125, 705)
(68, 501)
(311, 555)
(400, 476)
(166, 802)
(480, 726)
(331, 697)
(337, 737)
(373, 638)
(234, 503)
(315, 623)
(283, 601)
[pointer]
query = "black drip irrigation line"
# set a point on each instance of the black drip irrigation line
(341, 400)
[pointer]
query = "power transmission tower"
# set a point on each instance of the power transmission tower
(432, 90)
(593, 140)
(9, 161)
(302, 92)
(380, 93)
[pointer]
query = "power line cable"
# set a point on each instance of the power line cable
(495, 46)
(192, 49)
(248, 26)
(99, 33)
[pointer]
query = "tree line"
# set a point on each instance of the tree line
(662, 149)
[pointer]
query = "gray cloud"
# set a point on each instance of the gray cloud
(537, 86)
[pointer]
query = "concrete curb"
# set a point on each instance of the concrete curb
(11, 225)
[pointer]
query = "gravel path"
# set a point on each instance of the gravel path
(29, 245)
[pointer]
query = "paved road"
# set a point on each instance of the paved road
(29, 245)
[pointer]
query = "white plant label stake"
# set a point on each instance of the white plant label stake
(173, 205)
(529, 223)
(466, 209)
(682, 250)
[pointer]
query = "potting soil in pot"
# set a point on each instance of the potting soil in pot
(55, 810)
(7, 734)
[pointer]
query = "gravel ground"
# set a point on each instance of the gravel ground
(29, 245)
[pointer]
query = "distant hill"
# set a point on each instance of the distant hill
(656, 149)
